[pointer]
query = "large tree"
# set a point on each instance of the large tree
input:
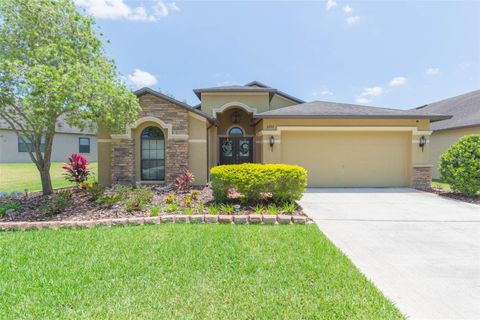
(53, 66)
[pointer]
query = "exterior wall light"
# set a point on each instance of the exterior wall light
(422, 142)
(272, 141)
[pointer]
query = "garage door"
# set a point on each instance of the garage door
(349, 159)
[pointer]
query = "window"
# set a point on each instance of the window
(84, 145)
(152, 154)
(23, 148)
(235, 131)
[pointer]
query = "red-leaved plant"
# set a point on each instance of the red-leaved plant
(77, 169)
(184, 181)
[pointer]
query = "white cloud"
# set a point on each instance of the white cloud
(173, 6)
(322, 93)
(353, 20)
(368, 94)
(348, 9)
(432, 71)
(141, 78)
(330, 4)
(464, 64)
(362, 100)
(118, 9)
(397, 81)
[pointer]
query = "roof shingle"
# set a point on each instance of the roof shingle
(325, 109)
(464, 108)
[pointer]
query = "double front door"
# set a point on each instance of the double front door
(236, 150)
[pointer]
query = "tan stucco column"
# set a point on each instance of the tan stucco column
(270, 154)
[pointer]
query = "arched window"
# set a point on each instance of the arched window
(235, 131)
(152, 154)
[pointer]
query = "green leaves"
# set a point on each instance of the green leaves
(281, 182)
(53, 64)
(460, 165)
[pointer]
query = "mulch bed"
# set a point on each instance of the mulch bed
(456, 196)
(83, 209)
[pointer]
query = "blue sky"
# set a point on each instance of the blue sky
(382, 53)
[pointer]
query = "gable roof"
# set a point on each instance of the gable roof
(181, 104)
(254, 86)
(280, 93)
(464, 108)
(326, 109)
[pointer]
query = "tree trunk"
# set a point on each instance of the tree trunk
(46, 181)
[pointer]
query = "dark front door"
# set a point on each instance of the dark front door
(236, 150)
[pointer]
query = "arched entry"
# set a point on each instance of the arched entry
(152, 162)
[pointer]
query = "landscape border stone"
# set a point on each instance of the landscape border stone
(178, 218)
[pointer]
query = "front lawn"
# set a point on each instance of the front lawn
(183, 272)
(21, 176)
(440, 184)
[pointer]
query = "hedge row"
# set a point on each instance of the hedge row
(460, 165)
(281, 182)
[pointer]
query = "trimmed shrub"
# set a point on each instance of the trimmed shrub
(281, 182)
(460, 165)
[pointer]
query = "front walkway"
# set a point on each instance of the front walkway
(421, 250)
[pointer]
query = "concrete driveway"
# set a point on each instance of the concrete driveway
(422, 251)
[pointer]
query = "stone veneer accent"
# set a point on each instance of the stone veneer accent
(176, 158)
(123, 161)
(421, 177)
(176, 151)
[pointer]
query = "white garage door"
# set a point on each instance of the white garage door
(349, 159)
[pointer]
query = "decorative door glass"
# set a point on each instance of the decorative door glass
(227, 148)
(244, 147)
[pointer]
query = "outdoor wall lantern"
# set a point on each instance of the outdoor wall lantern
(272, 142)
(422, 142)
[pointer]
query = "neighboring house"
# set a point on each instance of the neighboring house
(65, 141)
(465, 111)
(341, 145)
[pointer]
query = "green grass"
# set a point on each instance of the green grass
(439, 183)
(183, 272)
(21, 176)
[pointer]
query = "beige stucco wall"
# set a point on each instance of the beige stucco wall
(105, 155)
(257, 101)
(225, 122)
(440, 141)
(197, 144)
(63, 145)
(280, 102)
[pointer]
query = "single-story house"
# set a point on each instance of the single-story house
(65, 141)
(341, 145)
(465, 111)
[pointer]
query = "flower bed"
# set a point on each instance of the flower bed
(195, 205)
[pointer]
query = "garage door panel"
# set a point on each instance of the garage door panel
(349, 159)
